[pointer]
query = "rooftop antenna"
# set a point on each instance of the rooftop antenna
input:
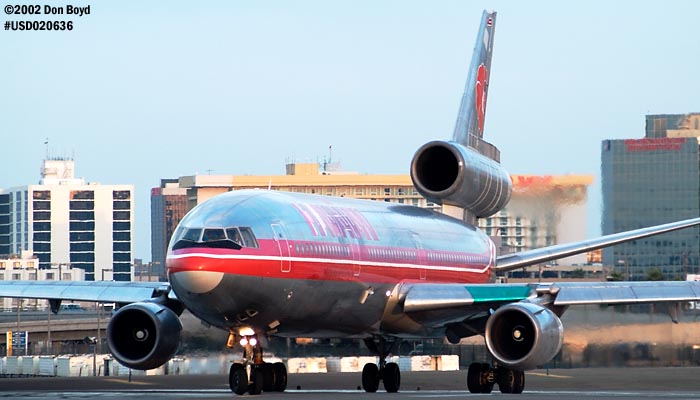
(46, 143)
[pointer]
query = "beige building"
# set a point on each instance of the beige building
(26, 268)
(307, 178)
(544, 210)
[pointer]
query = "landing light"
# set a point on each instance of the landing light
(246, 331)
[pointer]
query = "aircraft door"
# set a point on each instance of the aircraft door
(280, 237)
(354, 245)
(419, 255)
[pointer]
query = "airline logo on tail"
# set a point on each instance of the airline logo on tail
(472, 110)
(480, 99)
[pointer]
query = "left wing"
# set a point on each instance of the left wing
(432, 297)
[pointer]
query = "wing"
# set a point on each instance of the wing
(450, 306)
(430, 297)
(522, 259)
(100, 291)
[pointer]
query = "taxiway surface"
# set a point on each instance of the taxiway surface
(590, 383)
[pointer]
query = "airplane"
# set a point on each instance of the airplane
(261, 263)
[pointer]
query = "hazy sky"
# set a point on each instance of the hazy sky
(140, 91)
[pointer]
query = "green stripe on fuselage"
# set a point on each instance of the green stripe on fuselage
(498, 293)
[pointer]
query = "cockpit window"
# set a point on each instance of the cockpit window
(226, 238)
(248, 237)
(211, 235)
(192, 234)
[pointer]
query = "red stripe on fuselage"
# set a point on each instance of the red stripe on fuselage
(338, 265)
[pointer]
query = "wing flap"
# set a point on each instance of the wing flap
(426, 297)
(101, 291)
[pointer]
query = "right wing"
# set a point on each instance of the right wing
(99, 291)
(509, 262)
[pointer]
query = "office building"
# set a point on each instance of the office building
(65, 221)
(651, 181)
(544, 209)
(168, 206)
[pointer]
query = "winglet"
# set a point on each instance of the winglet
(472, 110)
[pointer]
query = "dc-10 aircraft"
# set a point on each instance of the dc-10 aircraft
(260, 263)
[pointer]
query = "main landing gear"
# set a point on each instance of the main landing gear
(481, 377)
(387, 372)
(253, 375)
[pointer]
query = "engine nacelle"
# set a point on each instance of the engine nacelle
(449, 173)
(144, 335)
(524, 335)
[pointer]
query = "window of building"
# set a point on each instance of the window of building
(121, 215)
(82, 236)
(121, 235)
(41, 226)
(81, 205)
(82, 195)
(41, 205)
(121, 194)
(82, 215)
(121, 226)
(121, 205)
(41, 195)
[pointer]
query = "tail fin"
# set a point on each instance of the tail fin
(469, 128)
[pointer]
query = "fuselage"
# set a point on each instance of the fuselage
(295, 264)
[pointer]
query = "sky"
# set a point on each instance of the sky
(140, 91)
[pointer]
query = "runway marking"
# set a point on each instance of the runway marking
(549, 375)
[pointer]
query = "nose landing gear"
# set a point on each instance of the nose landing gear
(253, 375)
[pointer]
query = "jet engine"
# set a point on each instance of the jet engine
(144, 335)
(450, 173)
(524, 335)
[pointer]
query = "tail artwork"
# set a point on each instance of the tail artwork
(469, 127)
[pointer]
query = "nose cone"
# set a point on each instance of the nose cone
(196, 281)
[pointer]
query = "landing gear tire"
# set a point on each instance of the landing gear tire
(510, 381)
(370, 378)
(268, 377)
(477, 378)
(279, 372)
(238, 379)
(391, 377)
(257, 379)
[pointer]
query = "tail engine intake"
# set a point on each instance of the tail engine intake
(523, 335)
(144, 335)
(450, 173)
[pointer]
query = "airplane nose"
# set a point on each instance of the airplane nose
(196, 281)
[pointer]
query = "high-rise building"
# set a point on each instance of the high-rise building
(168, 206)
(65, 221)
(652, 181)
(544, 209)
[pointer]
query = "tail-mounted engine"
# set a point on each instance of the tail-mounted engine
(450, 173)
(144, 335)
(524, 335)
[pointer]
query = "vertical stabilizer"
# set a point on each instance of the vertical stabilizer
(472, 110)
